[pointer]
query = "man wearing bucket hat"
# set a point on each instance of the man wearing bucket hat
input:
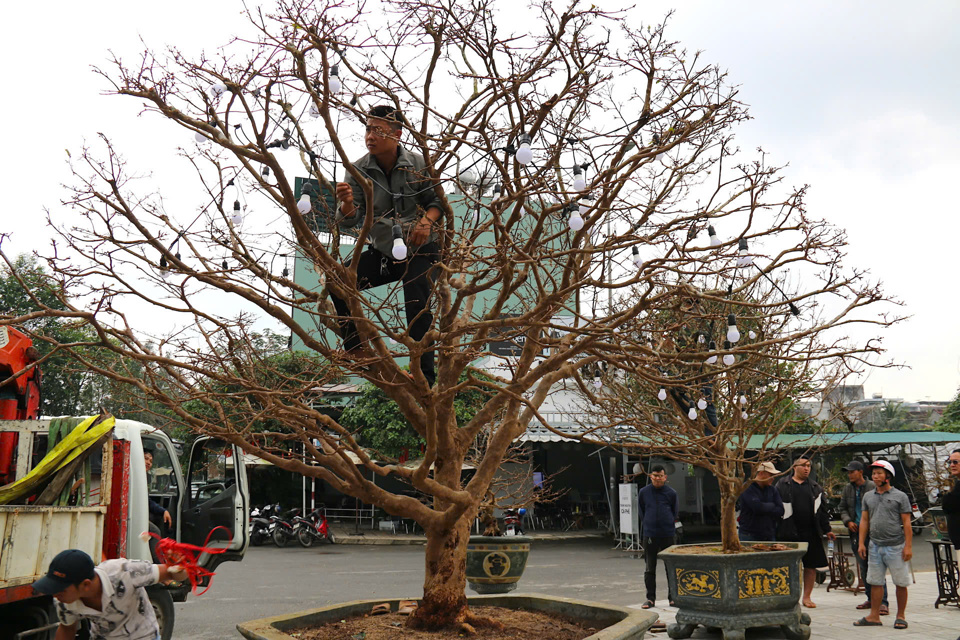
(886, 519)
(851, 507)
(761, 506)
(111, 596)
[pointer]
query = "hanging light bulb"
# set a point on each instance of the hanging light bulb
(335, 84)
(662, 395)
(163, 262)
(743, 260)
(733, 334)
(637, 260)
(743, 400)
(237, 216)
(712, 359)
(524, 154)
(597, 382)
(752, 334)
(702, 404)
(729, 358)
(692, 414)
(497, 190)
(216, 90)
(576, 220)
(199, 137)
(165, 274)
(579, 184)
(224, 265)
(265, 172)
(468, 177)
(313, 111)
(303, 204)
(701, 339)
(714, 238)
(744, 415)
(399, 248)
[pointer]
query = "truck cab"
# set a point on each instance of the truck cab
(208, 502)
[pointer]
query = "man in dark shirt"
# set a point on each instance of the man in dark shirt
(761, 507)
(951, 500)
(805, 520)
(405, 201)
(851, 508)
(659, 511)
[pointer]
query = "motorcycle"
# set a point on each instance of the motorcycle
(260, 524)
(511, 521)
(313, 527)
(281, 527)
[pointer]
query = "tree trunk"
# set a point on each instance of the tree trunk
(444, 603)
(728, 520)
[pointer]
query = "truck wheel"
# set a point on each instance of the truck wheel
(35, 614)
(306, 540)
(163, 609)
(278, 538)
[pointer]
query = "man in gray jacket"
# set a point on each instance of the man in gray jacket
(851, 507)
(406, 210)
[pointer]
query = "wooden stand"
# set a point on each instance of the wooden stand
(946, 566)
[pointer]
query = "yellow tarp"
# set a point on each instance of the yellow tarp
(83, 436)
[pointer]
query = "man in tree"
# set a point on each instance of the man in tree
(659, 510)
(805, 520)
(405, 204)
(761, 507)
(851, 508)
(886, 519)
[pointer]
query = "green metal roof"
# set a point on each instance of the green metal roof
(877, 439)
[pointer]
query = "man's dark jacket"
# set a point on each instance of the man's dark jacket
(951, 507)
(761, 509)
(659, 510)
(788, 526)
(848, 500)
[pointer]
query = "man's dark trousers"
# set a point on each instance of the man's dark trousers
(651, 547)
(417, 275)
(862, 563)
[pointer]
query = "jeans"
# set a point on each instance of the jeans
(883, 558)
(651, 547)
(417, 275)
(746, 536)
(862, 563)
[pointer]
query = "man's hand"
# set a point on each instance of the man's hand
(831, 535)
(167, 520)
(853, 527)
(345, 195)
(863, 551)
(421, 232)
(907, 553)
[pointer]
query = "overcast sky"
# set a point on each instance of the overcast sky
(860, 98)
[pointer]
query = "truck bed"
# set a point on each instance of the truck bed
(31, 536)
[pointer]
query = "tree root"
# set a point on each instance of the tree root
(464, 621)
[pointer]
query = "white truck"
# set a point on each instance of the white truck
(212, 493)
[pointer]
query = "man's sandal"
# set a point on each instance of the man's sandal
(884, 610)
(863, 605)
(647, 605)
(863, 622)
(380, 609)
(900, 624)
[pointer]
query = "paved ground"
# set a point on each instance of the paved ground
(272, 581)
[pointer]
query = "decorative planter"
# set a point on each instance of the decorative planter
(620, 623)
(495, 563)
(939, 523)
(735, 592)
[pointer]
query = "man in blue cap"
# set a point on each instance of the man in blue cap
(112, 596)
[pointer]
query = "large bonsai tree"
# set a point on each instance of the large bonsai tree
(579, 158)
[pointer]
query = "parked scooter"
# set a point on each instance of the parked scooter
(512, 521)
(281, 527)
(313, 527)
(260, 524)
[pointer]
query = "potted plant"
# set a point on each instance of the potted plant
(538, 185)
(727, 410)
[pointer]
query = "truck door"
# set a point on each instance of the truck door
(216, 496)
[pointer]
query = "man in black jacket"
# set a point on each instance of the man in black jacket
(951, 500)
(851, 508)
(659, 508)
(805, 519)
(761, 507)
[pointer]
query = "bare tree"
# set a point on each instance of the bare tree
(605, 148)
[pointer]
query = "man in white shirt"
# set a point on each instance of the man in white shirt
(112, 596)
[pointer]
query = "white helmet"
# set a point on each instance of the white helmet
(883, 464)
